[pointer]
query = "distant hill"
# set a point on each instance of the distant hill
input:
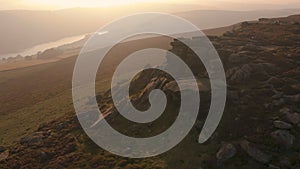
(207, 19)
(24, 29)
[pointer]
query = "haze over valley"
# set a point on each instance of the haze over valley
(24, 29)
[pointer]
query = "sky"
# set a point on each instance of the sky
(60, 4)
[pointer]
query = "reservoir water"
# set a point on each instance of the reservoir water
(44, 46)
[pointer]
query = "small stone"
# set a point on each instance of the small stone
(285, 110)
(233, 95)
(44, 157)
(255, 153)
(71, 147)
(60, 126)
(276, 82)
(285, 163)
(294, 98)
(282, 125)
(33, 139)
(271, 166)
(4, 155)
(284, 138)
(276, 118)
(277, 95)
(226, 152)
(293, 118)
(41, 126)
(279, 102)
(266, 105)
(2, 149)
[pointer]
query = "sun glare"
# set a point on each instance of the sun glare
(59, 4)
(83, 3)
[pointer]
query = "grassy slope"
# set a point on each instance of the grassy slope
(33, 95)
(37, 94)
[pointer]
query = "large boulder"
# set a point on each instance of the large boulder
(226, 152)
(33, 139)
(293, 118)
(285, 110)
(282, 125)
(156, 83)
(239, 58)
(186, 84)
(255, 153)
(293, 98)
(284, 138)
(239, 74)
(274, 81)
(255, 71)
